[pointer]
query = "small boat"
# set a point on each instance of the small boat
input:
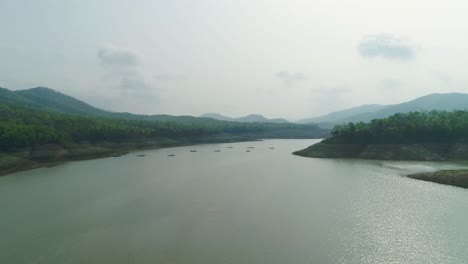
(171, 155)
(272, 148)
(247, 151)
(193, 150)
(250, 147)
(141, 155)
(217, 150)
(229, 147)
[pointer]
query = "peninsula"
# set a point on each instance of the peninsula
(417, 136)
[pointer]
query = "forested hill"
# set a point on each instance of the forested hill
(40, 126)
(41, 98)
(46, 99)
(25, 127)
(414, 127)
(434, 135)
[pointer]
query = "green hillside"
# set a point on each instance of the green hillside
(434, 135)
(23, 127)
(43, 116)
(40, 125)
(46, 99)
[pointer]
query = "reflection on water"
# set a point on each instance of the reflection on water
(231, 206)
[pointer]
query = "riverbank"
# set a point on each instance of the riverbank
(408, 152)
(457, 178)
(413, 152)
(17, 160)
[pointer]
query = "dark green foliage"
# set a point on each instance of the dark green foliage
(43, 116)
(413, 127)
(24, 127)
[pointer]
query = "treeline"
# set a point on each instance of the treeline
(413, 127)
(23, 127)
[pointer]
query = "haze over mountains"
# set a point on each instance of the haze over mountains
(247, 119)
(45, 99)
(365, 113)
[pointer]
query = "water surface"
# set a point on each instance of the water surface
(263, 206)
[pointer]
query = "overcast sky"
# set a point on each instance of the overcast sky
(279, 58)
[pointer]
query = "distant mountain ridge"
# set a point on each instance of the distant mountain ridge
(249, 118)
(365, 113)
(46, 99)
(436, 101)
(343, 114)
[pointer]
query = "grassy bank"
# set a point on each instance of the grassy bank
(51, 154)
(457, 178)
(10, 164)
(416, 152)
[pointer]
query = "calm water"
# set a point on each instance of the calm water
(264, 206)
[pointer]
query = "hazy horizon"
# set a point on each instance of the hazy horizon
(281, 59)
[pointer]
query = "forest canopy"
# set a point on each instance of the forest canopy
(23, 127)
(413, 127)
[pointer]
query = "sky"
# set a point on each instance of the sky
(281, 58)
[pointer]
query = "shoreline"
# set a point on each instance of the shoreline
(53, 155)
(400, 152)
(457, 178)
(403, 152)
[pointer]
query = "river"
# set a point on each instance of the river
(232, 206)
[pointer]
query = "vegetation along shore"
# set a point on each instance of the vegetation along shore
(418, 136)
(40, 126)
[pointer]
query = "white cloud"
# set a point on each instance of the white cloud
(124, 69)
(118, 56)
(289, 79)
(386, 46)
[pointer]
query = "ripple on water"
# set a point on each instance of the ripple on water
(394, 219)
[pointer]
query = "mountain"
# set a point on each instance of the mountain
(248, 118)
(42, 98)
(445, 102)
(365, 113)
(338, 116)
(46, 99)
(217, 116)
